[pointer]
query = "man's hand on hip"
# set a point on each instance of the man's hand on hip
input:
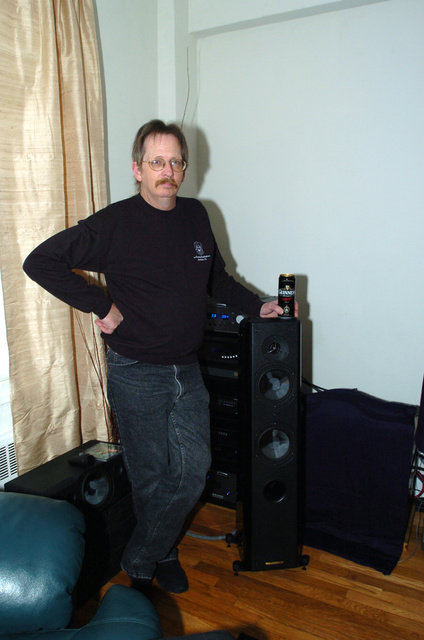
(109, 323)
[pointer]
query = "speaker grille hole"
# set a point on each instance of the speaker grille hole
(274, 491)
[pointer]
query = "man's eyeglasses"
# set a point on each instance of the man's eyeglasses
(157, 164)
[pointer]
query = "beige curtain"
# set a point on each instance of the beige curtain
(52, 173)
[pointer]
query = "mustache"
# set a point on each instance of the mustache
(166, 181)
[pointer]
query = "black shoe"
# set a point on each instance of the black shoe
(143, 585)
(170, 575)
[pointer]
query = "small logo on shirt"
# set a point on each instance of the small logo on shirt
(198, 248)
(200, 252)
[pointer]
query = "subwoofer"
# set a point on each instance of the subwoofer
(93, 478)
(267, 509)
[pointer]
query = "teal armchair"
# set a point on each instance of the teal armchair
(41, 553)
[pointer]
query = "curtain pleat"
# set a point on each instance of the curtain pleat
(52, 172)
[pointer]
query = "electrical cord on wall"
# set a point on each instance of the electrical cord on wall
(417, 538)
(315, 387)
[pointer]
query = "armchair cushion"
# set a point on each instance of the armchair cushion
(123, 613)
(41, 553)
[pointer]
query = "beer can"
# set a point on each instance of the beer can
(287, 294)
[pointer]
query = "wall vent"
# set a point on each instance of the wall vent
(8, 464)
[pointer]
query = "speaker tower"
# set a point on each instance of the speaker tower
(268, 494)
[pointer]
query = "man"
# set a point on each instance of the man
(160, 260)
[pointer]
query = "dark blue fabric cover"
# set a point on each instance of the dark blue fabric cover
(357, 467)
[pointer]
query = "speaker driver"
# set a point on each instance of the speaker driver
(96, 488)
(274, 385)
(274, 444)
(275, 348)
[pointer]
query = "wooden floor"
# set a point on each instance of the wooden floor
(332, 599)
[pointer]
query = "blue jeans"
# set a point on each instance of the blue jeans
(162, 414)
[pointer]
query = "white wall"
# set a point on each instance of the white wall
(305, 125)
(128, 56)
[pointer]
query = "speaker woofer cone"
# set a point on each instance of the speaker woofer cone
(273, 385)
(274, 444)
(96, 488)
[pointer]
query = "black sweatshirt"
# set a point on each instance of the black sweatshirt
(159, 267)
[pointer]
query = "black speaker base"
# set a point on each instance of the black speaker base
(302, 561)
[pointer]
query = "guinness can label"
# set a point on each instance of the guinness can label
(287, 294)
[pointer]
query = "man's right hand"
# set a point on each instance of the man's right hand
(109, 323)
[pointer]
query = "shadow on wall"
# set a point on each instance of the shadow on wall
(200, 165)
